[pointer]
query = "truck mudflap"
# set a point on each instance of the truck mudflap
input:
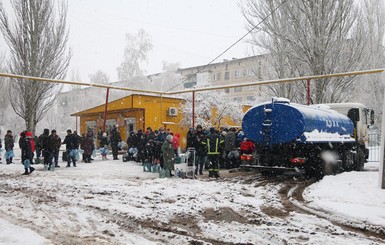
(273, 169)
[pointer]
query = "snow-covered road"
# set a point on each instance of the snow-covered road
(109, 202)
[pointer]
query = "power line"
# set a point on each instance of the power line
(232, 45)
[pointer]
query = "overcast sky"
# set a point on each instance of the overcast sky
(189, 32)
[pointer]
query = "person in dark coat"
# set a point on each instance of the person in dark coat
(200, 149)
(190, 138)
(141, 146)
(214, 147)
(88, 146)
(115, 139)
(230, 146)
(9, 144)
(56, 143)
(47, 148)
(159, 140)
(1, 146)
(38, 147)
(103, 143)
(72, 144)
(26, 146)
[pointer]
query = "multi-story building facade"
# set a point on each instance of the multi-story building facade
(234, 71)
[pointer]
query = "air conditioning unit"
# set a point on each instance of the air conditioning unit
(172, 111)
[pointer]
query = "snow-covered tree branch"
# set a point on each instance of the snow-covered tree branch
(210, 110)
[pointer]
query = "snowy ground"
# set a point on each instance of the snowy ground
(111, 202)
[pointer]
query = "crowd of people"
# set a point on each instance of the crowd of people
(211, 149)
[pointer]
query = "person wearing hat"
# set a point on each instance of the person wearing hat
(115, 139)
(103, 143)
(47, 148)
(200, 149)
(190, 137)
(26, 146)
(230, 147)
(214, 146)
(72, 144)
(56, 143)
(9, 143)
(168, 154)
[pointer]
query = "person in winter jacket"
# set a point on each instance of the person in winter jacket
(9, 144)
(47, 148)
(115, 139)
(88, 146)
(200, 149)
(159, 140)
(230, 146)
(103, 143)
(214, 147)
(168, 154)
(72, 144)
(56, 143)
(27, 146)
(1, 146)
(190, 138)
(175, 143)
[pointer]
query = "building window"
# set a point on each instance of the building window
(218, 76)
(250, 98)
(227, 75)
(238, 73)
(227, 90)
(238, 89)
(238, 99)
(189, 84)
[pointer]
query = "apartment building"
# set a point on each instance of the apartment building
(234, 71)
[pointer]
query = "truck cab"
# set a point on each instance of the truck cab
(361, 117)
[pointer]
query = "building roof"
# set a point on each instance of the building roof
(116, 105)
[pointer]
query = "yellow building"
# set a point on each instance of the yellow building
(135, 112)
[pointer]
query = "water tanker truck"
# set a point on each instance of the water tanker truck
(316, 139)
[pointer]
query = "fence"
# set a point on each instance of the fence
(374, 146)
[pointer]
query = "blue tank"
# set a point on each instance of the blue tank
(280, 122)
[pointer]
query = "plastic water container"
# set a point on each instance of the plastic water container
(164, 173)
(155, 168)
(45, 167)
(147, 167)
(52, 168)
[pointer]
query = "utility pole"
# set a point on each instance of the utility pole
(382, 147)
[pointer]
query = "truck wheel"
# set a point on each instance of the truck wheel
(315, 169)
(348, 161)
(360, 160)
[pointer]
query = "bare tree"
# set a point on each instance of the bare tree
(372, 90)
(75, 76)
(37, 37)
(99, 77)
(307, 37)
(167, 79)
(4, 95)
(135, 52)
